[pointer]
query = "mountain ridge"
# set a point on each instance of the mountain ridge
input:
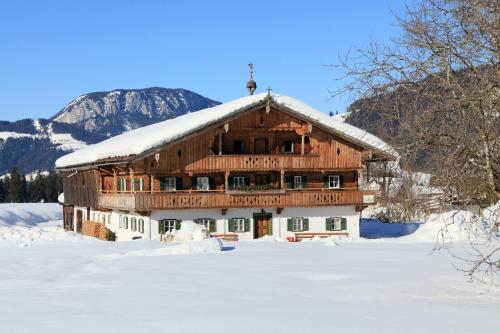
(35, 144)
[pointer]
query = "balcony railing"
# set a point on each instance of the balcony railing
(256, 162)
(220, 199)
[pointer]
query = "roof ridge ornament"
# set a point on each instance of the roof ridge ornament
(251, 84)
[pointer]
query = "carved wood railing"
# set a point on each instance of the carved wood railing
(256, 162)
(305, 198)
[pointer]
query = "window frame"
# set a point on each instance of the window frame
(298, 184)
(300, 221)
(123, 222)
(167, 181)
(122, 184)
(201, 186)
(331, 179)
(171, 225)
(204, 221)
(133, 224)
(239, 224)
(334, 220)
(238, 181)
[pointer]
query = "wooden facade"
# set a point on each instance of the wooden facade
(267, 150)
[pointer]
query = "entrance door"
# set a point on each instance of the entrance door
(79, 220)
(260, 146)
(263, 225)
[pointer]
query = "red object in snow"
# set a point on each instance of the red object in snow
(291, 239)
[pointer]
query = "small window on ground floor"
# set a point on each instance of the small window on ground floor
(209, 224)
(123, 222)
(133, 224)
(140, 225)
(336, 223)
(296, 224)
(167, 225)
(239, 224)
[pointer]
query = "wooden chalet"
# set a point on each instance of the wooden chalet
(261, 165)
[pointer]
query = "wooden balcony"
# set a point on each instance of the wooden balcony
(185, 200)
(256, 162)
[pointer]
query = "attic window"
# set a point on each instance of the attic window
(179, 153)
(261, 120)
(338, 151)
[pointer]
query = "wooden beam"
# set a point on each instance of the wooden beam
(223, 211)
(226, 180)
(302, 144)
(151, 184)
(279, 210)
(220, 143)
(132, 183)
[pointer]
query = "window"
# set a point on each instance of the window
(139, 184)
(140, 225)
(238, 182)
(288, 147)
(202, 183)
(168, 225)
(209, 224)
(122, 184)
(334, 181)
(239, 225)
(238, 146)
(123, 223)
(168, 184)
(297, 224)
(297, 181)
(336, 223)
(133, 224)
(307, 140)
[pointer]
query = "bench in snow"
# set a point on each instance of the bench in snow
(227, 237)
(307, 235)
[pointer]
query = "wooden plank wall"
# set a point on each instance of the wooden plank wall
(81, 188)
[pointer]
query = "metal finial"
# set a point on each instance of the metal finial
(251, 84)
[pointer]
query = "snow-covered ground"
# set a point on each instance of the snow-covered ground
(78, 284)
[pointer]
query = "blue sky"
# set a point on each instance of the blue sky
(53, 51)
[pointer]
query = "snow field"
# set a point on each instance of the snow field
(268, 285)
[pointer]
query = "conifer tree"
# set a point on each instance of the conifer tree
(14, 186)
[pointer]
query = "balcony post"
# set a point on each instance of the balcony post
(282, 179)
(302, 144)
(151, 184)
(132, 183)
(220, 143)
(115, 181)
(226, 180)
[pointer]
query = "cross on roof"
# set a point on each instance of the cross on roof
(269, 90)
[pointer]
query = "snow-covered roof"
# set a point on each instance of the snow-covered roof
(142, 139)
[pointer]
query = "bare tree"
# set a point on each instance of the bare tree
(436, 89)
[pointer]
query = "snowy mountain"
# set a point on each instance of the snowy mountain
(121, 110)
(34, 144)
